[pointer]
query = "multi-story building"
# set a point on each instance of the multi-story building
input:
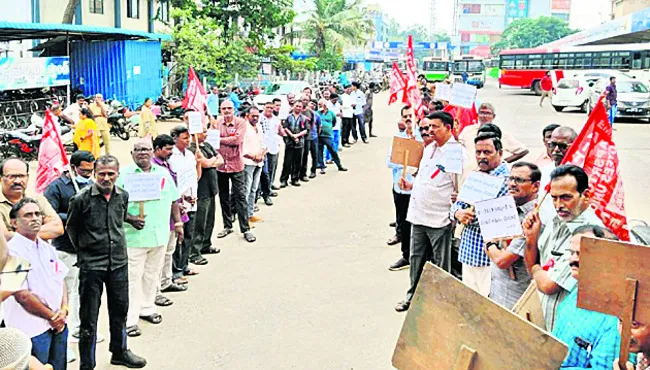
(375, 13)
(621, 8)
(479, 23)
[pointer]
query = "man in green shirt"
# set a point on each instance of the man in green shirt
(328, 121)
(147, 238)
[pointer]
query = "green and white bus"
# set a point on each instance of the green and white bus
(474, 67)
(435, 69)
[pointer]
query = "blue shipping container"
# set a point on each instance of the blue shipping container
(126, 70)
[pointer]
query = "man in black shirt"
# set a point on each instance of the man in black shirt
(295, 128)
(206, 203)
(95, 227)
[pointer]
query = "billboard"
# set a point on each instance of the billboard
(27, 73)
(516, 9)
(480, 24)
(560, 6)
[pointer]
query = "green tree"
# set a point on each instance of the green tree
(442, 37)
(530, 33)
(418, 31)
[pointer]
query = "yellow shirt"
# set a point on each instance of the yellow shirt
(148, 124)
(91, 143)
(102, 122)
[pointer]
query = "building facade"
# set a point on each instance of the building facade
(479, 23)
(621, 8)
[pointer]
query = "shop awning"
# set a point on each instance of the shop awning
(10, 31)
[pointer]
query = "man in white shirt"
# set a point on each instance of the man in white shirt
(348, 101)
(73, 111)
(253, 153)
(561, 140)
(432, 194)
(360, 102)
(271, 128)
(188, 171)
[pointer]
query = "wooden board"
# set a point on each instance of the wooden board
(529, 307)
(400, 145)
(445, 315)
(605, 265)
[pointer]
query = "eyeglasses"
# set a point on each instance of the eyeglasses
(15, 176)
(561, 146)
(142, 150)
(518, 180)
(424, 128)
(485, 113)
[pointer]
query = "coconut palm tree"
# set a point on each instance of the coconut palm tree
(332, 25)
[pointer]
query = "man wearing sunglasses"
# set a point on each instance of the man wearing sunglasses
(558, 145)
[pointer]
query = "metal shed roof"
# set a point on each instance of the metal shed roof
(10, 31)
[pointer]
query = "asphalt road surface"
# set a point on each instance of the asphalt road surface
(314, 291)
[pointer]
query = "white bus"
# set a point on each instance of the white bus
(473, 66)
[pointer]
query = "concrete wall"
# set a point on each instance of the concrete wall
(622, 8)
(141, 23)
(52, 10)
(107, 19)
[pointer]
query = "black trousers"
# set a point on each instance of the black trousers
(402, 227)
(204, 219)
(311, 148)
(346, 127)
(91, 286)
(291, 165)
(181, 255)
(239, 195)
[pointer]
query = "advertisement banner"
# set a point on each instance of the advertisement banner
(516, 9)
(564, 5)
(27, 73)
(480, 23)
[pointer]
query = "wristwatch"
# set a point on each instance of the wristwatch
(489, 244)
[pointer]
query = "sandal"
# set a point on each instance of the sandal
(249, 237)
(153, 318)
(180, 281)
(133, 331)
(174, 288)
(210, 250)
(199, 261)
(163, 301)
(224, 233)
(190, 273)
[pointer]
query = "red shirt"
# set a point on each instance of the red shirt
(547, 83)
(232, 140)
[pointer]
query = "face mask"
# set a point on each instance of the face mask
(82, 180)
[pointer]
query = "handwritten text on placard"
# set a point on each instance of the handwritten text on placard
(143, 186)
(479, 187)
(462, 95)
(498, 218)
(195, 122)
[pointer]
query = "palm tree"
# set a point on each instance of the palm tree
(332, 25)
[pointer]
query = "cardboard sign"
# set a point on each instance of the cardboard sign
(214, 138)
(186, 180)
(401, 145)
(450, 326)
(479, 187)
(529, 307)
(498, 218)
(143, 186)
(452, 161)
(462, 95)
(443, 91)
(195, 122)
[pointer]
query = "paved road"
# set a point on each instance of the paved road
(314, 291)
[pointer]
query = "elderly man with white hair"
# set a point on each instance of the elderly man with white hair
(99, 110)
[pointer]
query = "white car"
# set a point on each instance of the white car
(632, 96)
(280, 90)
(571, 92)
(593, 75)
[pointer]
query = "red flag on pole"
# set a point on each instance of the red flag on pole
(595, 152)
(195, 96)
(464, 116)
(52, 159)
(397, 84)
(411, 83)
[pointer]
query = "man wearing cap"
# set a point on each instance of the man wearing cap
(99, 109)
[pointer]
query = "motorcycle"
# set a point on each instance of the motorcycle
(169, 108)
(640, 232)
(118, 121)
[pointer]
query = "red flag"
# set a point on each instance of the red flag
(464, 116)
(195, 96)
(595, 152)
(411, 83)
(397, 84)
(52, 159)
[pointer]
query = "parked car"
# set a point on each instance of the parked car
(591, 76)
(571, 92)
(280, 90)
(633, 97)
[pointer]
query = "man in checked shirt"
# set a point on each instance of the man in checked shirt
(476, 264)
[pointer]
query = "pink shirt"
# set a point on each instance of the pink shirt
(44, 280)
(543, 160)
(232, 140)
(253, 144)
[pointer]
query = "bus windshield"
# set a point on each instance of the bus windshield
(435, 66)
(469, 66)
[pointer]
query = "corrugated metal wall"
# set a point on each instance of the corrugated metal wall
(129, 70)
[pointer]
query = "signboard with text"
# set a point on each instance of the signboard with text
(28, 73)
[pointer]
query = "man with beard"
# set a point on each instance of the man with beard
(148, 237)
(95, 226)
(592, 337)
(509, 276)
(432, 194)
(546, 244)
(471, 253)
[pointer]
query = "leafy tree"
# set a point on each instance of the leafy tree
(442, 37)
(530, 33)
(418, 31)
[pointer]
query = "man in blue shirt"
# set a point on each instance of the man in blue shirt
(213, 102)
(592, 337)
(234, 97)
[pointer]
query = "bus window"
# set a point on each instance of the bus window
(637, 62)
(535, 62)
(475, 66)
(507, 62)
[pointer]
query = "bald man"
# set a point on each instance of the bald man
(561, 140)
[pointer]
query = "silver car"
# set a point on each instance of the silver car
(633, 98)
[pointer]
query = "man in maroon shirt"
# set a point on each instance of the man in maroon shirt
(547, 86)
(232, 131)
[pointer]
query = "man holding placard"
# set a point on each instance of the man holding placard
(509, 276)
(546, 255)
(432, 193)
(639, 344)
(476, 264)
(154, 197)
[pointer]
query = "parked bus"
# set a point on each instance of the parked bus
(525, 67)
(435, 69)
(474, 67)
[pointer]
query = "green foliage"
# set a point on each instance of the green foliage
(530, 33)
(330, 61)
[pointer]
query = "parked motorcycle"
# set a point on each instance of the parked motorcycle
(118, 121)
(169, 108)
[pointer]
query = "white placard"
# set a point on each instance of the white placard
(452, 160)
(186, 179)
(214, 138)
(498, 218)
(195, 122)
(462, 95)
(143, 186)
(443, 91)
(479, 187)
